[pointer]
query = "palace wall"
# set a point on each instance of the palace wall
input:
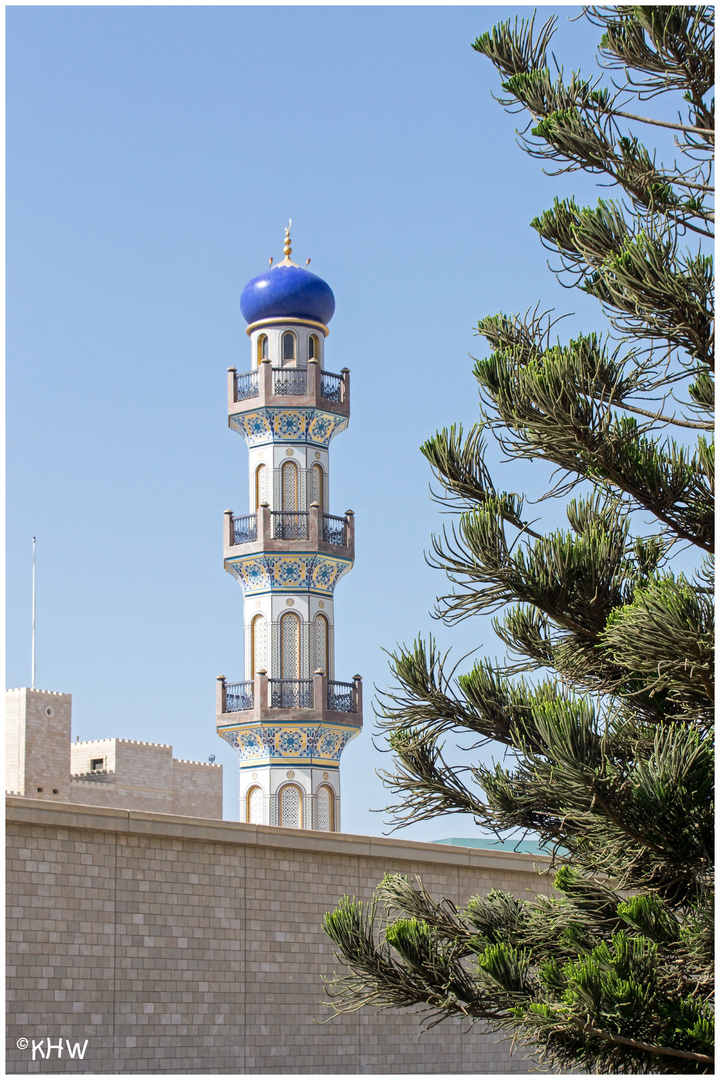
(177, 944)
(41, 762)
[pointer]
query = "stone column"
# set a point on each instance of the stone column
(265, 380)
(315, 532)
(320, 690)
(264, 522)
(220, 694)
(231, 386)
(260, 693)
(229, 529)
(357, 695)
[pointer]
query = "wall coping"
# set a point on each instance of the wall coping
(25, 811)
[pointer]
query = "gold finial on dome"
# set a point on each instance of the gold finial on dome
(287, 249)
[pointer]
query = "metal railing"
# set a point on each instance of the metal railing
(245, 529)
(290, 526)
(330, 386)
(340, 697)
(239, 697)
(290, 382)
(291, 693)
(335, 530)
(246, 386)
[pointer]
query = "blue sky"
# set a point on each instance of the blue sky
(154, 156)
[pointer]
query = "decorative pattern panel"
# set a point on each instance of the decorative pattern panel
(261, 485)
(286, 573)
(258, 645)
(289, 646)
(256, 806)
(288, 425)
(318, 493)
(324, 809)
(250, 744)
(321, 643)
(291, 742)
(282, 742)
(291, 807)
(289, 486)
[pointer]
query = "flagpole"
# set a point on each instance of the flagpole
(33, 617)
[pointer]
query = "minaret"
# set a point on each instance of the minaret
(289, 719)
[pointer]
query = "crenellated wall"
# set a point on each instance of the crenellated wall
(42, 762)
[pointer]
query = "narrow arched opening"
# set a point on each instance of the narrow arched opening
(255, 806)
(290, 807)
(325, 808)
(289, 645)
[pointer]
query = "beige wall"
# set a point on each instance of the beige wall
(41, 762)
(197, 789)
(37, 743)
(186, 945)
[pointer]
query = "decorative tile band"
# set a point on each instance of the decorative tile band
(279, 742)
(288, 425)
(288, 573)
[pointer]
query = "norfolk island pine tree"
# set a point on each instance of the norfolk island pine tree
(603, 707)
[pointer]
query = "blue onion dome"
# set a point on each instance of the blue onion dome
(287, 290)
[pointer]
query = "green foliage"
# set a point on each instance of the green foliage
(603, 708)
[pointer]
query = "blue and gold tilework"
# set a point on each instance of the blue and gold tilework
(288, 425)
(288, 573)
(281, 742)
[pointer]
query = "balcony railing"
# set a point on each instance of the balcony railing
(240, 697)
(246, 386)
(262, 696)
(290, 382)
(340, 697)
(291, 693)
(335, 530)
(290, 526)
(331, 386)
(245, 529)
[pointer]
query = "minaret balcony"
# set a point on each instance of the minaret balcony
(293, 387)
(310, 701)
(274, 531)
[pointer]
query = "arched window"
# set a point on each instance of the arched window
(262, 348)
(258, 645)
(321, 644)
(318, 485)
(288, 475)
(255, 806)
(313, 347)
(288, 346)
(289, 646)
(290, 807)
(325, 809)
(261, 485)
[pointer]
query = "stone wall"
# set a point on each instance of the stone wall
(41, 762)
(197, 789)
(186, 945)
(37, 743)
